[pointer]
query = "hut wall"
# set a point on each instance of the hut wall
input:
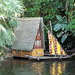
(16, 53)
(21, 53)
(38, 52)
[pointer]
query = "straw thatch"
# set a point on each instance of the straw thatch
(26, 33)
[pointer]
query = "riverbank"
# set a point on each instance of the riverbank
(6, 59)
(6, 62)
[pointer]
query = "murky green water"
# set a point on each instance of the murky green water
(26, 67)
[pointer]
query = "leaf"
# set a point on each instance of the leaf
(59, 34)
(13, 23)
(2, 28)
(64, 37)
(63, 26)
(1, 43)
(72, 1)
(57, 27)
(64, 20)
(60, 19)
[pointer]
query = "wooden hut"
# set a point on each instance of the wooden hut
(29, 38)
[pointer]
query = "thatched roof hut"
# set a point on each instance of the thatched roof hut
(26, 34)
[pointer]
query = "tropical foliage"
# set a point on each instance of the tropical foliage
(61, 27)
(71, 25)
(47, 8)
(65, 26)
(9, 10)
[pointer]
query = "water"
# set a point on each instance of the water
(26, 67)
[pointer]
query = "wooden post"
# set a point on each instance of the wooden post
(52, 37)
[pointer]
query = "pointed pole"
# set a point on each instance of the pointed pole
(52, 37)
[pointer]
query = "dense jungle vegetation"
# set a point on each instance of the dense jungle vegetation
(60, 13)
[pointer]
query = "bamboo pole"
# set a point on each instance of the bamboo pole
(66, 5)
(52, 37)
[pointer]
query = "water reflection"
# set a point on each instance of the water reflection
(57, 68)
(26, 67)
(38, 68)
(21, 67)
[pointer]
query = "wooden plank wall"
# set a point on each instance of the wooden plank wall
(21, 53)
(36, 52)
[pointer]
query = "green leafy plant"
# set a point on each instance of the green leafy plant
(9, 12)
(66, 29)
(71, 25)
(60, 28)
(49, 8)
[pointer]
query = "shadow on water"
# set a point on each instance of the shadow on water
(26, 67)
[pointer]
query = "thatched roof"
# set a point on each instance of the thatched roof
(26, 33)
